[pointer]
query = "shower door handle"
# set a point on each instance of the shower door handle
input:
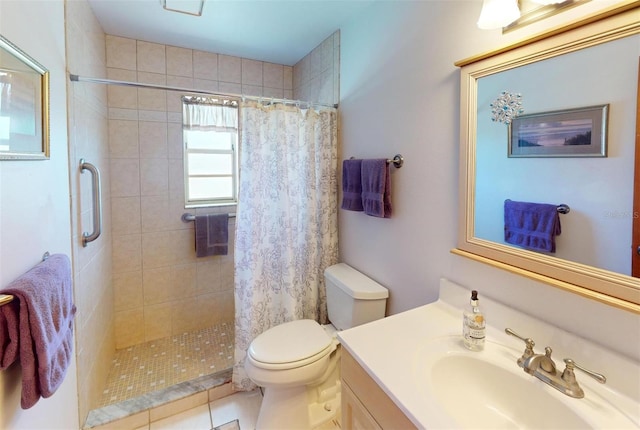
(97, 202)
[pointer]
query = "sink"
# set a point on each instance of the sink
(487, 389)
(495, 397)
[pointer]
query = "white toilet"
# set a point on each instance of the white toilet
(298, 363)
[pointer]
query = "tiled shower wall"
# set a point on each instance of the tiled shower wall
(316, 77)
(160, 287)
(88, 139)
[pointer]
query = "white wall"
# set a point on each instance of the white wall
(400, 94)
(34, 203)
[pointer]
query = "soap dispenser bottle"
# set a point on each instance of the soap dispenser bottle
(473, 325)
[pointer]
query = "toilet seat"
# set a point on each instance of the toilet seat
(290, 345)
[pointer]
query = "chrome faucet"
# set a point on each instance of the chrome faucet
(543, 367)
(539, 362)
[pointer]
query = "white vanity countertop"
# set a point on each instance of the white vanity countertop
(389, 349)
(385, 349)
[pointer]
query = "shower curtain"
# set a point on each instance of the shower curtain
(286, 222)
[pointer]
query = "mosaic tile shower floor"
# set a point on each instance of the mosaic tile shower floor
(164, 362)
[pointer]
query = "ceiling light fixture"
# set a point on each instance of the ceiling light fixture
(498, 13)
(546, 2)
(510, 14)
(190, 7)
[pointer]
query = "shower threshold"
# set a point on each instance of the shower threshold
(157, 399)
(155, 373)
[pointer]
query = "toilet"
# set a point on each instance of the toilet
(298, 362)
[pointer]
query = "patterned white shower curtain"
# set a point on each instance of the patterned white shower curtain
(286, 222)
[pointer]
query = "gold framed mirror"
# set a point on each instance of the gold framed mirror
(24, 105)
(565, 68)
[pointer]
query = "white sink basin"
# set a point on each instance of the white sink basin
(489, 390)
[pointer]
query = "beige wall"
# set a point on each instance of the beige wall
(316, 77)
(161, 288)
(88, 139)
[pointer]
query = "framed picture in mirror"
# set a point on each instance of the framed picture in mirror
(578, 132)
(24, 105)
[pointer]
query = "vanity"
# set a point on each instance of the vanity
(411, 370)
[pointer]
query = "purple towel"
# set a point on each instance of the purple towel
(531, 225)
(43, 309)
(352, 185)
(9, 334)
(212, 234)
(376, 188)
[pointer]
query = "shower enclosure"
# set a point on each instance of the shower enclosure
(149, 313)
(142, 295)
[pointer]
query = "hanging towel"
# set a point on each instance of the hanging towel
(352, 185)
(212, 234)
(43, 310)
(376, 188)
(9, 334)
(531, 225)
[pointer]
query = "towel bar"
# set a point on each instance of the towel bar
(187, 217)
(397, 160)
(563, 209)
(6, 298)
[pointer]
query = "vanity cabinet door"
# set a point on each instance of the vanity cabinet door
(364, 404)
(354, 415)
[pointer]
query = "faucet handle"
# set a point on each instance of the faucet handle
(568, 375)
(548, 365)
(529, 344)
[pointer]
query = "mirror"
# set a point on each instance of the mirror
(572, 72)
(24, 105)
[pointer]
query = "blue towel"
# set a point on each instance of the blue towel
(352, 185)
(531, 225)
(376, 188)
(212, 235)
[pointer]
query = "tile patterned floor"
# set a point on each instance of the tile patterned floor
(222, 414)
(239, 410)
(164, 362)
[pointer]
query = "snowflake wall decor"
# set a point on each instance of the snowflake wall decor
(506, 107)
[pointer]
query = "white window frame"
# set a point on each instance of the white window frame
(209, 202)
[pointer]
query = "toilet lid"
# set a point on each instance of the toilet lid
(290, 342)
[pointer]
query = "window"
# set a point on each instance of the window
(210, 137)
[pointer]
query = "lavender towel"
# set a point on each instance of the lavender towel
(376, 188)
(531, 225)
(9, 334)
(43, 310)
(352, 185)
(212, 235)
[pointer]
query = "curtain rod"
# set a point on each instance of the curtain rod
(76, 78)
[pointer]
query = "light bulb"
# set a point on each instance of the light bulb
(498, 13)
(546, 2)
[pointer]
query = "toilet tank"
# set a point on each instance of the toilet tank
(352, 297)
